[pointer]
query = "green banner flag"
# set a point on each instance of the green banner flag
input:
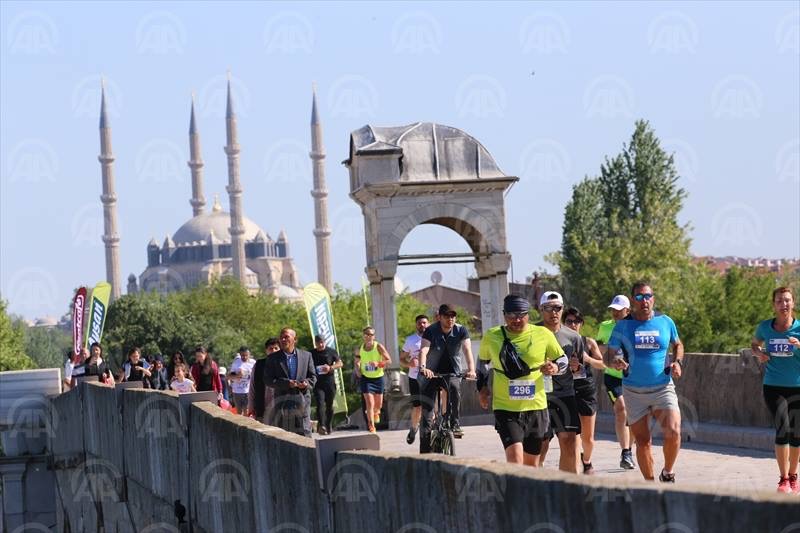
(320, 319)
(97, 313)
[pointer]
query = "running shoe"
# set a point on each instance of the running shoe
(666, 478)
(793, 484)
(412, 434)
(457, 431)
(626, 460)
(588, 469)
(784, 486)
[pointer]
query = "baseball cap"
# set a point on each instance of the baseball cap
(446, 310)
(620, 302)
(551, 297)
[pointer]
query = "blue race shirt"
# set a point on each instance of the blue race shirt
(783, 367)
(645, 345)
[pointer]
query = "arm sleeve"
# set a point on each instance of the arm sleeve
(195, 372)
(311, 372)
(217, 380)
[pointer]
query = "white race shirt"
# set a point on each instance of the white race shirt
(244, 368)
(412, 346)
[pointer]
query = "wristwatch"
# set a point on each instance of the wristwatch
(422, 367)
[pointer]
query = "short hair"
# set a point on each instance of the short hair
(368, 328)
(420, 317)
(134, 350)
(271, 341)
(781, 290)
(638, 285)
(98, 345)
(574, 312)
(319, 338)
(243, 349)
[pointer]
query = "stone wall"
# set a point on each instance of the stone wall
(124, 457)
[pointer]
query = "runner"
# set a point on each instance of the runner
(520, 405)
(409, 357)
(370, 360)
(648, 372)
(562, 405)
(782, 382)
(612, 379)
(585, 390)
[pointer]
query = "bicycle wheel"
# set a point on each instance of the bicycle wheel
(448, 444)
(436, 442)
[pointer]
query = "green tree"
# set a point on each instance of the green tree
(12, 344)
(47, 347)
(622, 225)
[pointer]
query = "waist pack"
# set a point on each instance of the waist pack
(513, 365)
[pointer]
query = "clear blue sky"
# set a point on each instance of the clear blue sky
(549, 89)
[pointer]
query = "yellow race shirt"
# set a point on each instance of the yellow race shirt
(535, 345)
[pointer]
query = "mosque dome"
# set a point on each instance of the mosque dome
(198, 228)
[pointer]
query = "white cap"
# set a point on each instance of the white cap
(620, 302)
(223, 370)
(551, 297)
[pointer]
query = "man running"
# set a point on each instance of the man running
(409, 357)
(520, 405)
(612, 379)
(648, 372)
(562, 406)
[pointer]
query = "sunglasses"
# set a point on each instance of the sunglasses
(515, 316)
(552, 308)
(572, 322)
(643, 296)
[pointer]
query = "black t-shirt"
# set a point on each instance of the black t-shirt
(328, 356)
(445, 350)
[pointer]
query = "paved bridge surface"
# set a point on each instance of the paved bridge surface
(741, 470)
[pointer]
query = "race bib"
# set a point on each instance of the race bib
(646, 340)
(520, 389)
(780, 348)
(371, 367)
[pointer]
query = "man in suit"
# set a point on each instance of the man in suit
(290, 372)
(259, 397)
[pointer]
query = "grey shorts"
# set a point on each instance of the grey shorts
(240, 401)
(640, 401)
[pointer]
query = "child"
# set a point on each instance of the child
(180, 382)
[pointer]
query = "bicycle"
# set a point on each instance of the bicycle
(442, 438)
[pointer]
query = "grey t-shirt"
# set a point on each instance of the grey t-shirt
(572, 344)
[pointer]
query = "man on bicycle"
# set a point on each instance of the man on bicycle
(441, 353)
(520, 405)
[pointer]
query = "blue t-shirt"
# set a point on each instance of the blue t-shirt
(783, 367)
(645, 345)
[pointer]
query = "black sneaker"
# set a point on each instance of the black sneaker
(412, 434)
(666, 478)
(626, 460)
(457, 431)
(588, 469)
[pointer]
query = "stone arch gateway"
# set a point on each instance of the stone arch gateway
(427, 173)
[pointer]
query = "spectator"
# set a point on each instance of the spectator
(239, 376)
(260, 396)
(205, 372)
(180, 382)
(96, 366)
(176, 359)
(72, 360)
(291, 373)
(158, 379)
(134, 369)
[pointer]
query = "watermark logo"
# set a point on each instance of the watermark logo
(32, 161)
(544, 33)
(480, 96)
(30, 527)
(684, 158)
(159, 161)
(160, 527)
(545, 161)
(212, 100)
(86, 97)
(737, 224)
(787, 33)
(545, 526)
(31, 289)
(32, 33)
(417, 527)
(605, 495)
(672, 32)
(352, 481)
(288, 32)
(352, 96)
(347, 223)
(787, 162)
(736, 97)
(673, 527)
(289, 527)
(287, 161)
(160, 33)
(32, 417)
(95, 481)
(157, 417)
(417, 33)
(224, 480)
(164, 280)
(608, 96)
(480, 486)
(87, 226)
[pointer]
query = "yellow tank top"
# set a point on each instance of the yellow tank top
(369, 362)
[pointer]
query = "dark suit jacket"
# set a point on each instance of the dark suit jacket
(277, 372)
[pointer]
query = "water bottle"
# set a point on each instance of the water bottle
(548, 384)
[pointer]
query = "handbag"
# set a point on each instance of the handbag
(514, 366)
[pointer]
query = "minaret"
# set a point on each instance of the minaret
(198, 201)
(234, 189)
(109, 199)
(322, 233)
